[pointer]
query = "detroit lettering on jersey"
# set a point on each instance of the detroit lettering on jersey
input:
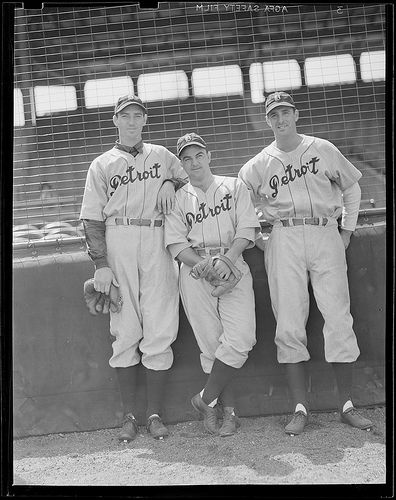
(291, 174)
(205, 211)
(133, 175)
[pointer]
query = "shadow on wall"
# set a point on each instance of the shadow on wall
(63, 382)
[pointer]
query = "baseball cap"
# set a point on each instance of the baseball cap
(189, 140)
(126, 100)
(278, 99)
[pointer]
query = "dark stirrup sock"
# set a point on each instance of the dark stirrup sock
(219, 377)
(295, 375)
(155, 388)
(127, 383)
(343, 373)
(227, 396)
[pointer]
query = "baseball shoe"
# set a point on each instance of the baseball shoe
(230, 423)
(352, 417)
(156, 428)
(129, 428)
(297, 423)
(209, 414)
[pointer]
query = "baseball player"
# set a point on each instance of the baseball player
(126, 196)
(213, 216)
(302, 185)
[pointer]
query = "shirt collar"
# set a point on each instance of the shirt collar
(134, 150)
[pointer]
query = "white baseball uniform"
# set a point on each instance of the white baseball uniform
(305, 183)
(210, 221)
(120, 187)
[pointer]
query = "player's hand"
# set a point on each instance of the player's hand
(103, 278)
(166, 197)
(346, 237)
(222, 269)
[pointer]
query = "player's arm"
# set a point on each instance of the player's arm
(351, 201)
(94, 200)
(176, 178)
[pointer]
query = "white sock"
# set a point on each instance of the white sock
(300, 407)
(347, 405)
(213, 403)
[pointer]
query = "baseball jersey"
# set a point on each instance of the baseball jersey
(305, 182)
(213, 218)
(121, 185)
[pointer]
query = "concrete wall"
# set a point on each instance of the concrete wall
(62, 380)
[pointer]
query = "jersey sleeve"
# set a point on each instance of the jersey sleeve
(247, 222)
(95, 193)
(250, 176)
(176, 231)
(174, 168)
(340, 169)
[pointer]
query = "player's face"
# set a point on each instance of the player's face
(130, 122)
(195, 161)
(282, 120)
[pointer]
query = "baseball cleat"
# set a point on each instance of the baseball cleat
(353, 418)
(129, 429)
(209, 414)
(230, 424)
(156, 428)
(296, 424)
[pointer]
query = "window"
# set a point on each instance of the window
(104, 92)
(54, 98)
(19, 116)
(372, 65)
(330, 70)
(163, 86)
(273, 75)
(217, 81)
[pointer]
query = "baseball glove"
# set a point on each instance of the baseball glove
(100, 302)
(205, 269)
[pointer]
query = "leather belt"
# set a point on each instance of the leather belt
(211, 251)
(313, 221)
(127, 221)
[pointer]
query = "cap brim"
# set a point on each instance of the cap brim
(192, 143)
(277, 104)
(130, 104)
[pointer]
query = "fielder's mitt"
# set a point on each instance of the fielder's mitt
(100, 302)
(205, 269)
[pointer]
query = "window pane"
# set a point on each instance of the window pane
(330, 70)
(281, 75)
(256, 83)
(217, 81)
(163, 86)
(19, 116)
(104, 92)
(54, 98)
(372, 65)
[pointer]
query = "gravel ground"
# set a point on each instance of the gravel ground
(328, 452)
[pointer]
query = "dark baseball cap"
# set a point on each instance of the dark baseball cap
(126, 100)
(278, 99)
(190, 140)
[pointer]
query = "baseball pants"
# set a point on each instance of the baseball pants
(293, 256)
(148, 279)
(224, 327)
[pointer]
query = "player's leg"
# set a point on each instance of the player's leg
(127, 383)
(330, 286)
(288, 282)
(203, 316)
(226, 406)
(125, 325)
(237, 313)
(159, 304)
